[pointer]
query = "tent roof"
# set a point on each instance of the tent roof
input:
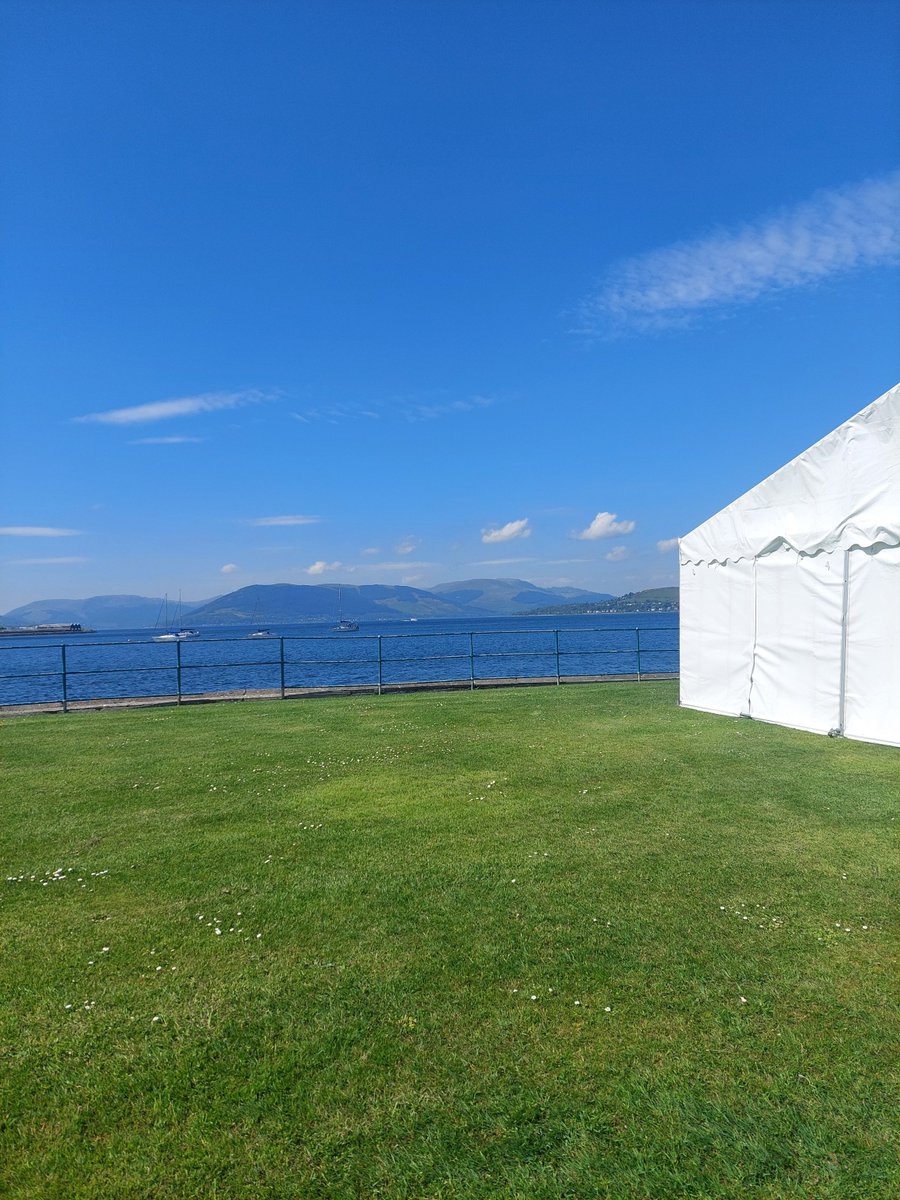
(844, 491)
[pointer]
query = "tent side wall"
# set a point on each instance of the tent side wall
(716, 636)
(798, 647)
(872, 689)
(807, 641)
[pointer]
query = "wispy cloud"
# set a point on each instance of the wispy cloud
(502, 562)
(430, 412)
(164, 441)
(617, 554)
(405, 565)
(666, 545)
(320, 567)
(286, 520)
(404, 409)
(506, 533)
(372, 550)
(835, 231)
(228, 568)
(604, 525)
(37, 531)
(407, 545)
(47, 562)
(165, 410)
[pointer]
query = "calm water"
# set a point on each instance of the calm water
(129, 663)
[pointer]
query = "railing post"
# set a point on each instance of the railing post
(65, 682)
(637, 637)
(472, 662)
(558, 680)
(380, 665)
(281, 664)
(178, 669)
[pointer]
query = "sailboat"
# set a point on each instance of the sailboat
(260, 631)
(344, 626)
(173, 635)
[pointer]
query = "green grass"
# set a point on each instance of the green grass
(699, 905)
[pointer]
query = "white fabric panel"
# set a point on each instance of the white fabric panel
(842, 492)
(872, 697)
(797, 660)
(716, 602)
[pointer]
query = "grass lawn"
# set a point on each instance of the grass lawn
(538, 943)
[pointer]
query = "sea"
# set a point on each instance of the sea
(120, 664)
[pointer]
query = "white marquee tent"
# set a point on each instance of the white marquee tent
(790, 596)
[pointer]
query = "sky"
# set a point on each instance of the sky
(416, 291)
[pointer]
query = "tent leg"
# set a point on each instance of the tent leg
(845, 612)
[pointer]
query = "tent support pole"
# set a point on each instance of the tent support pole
(845, 620)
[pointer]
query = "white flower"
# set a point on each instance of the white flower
(607, 1009)
(218, 930)
(743, 999)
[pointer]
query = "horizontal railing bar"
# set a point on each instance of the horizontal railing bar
(34, 675)
(341, 662)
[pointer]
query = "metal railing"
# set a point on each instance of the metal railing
(295, 665)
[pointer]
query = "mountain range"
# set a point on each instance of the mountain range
(288, 604)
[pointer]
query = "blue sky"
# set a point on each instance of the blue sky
(421, 291)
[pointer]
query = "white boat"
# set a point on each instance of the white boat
(261, 631)
(173, 635)
(343, 625)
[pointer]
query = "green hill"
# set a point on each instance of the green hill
(664, 599)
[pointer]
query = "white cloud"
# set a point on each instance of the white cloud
(37, 531)
(666, 545)
(372, 550)
(164, 410)
(604, 525)
(287, 520)
(617, 554)
(228, 568)
(47, 562)
(835, 231)
(320, 567)
(512, 529)
(407, 545)
(164, 441)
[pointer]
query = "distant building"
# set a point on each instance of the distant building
(790, 596)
